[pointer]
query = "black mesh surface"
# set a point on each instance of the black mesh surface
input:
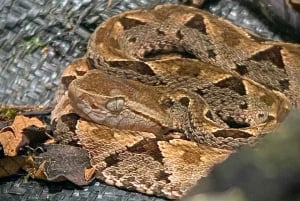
(38, 39)
(12, 189)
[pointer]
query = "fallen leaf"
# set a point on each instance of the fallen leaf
(89, 173)
(11, 165)
(12, 137)
(64, 162)
(37, 172)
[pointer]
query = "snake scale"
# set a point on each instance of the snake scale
(163, 94)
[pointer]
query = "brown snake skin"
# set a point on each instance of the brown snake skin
(170, 92)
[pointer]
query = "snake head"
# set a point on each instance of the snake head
(119, 103)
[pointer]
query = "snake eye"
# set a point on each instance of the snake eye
(115, 104)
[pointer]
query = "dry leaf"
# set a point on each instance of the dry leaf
(64, 162)
(37, 172)
(89, 173)
(11, 165)
(12, 137)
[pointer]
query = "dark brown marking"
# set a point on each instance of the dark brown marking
(241, 69)
(163, 176)
(132, 39)
(209, 115)
(234, 84)
(179, 35)
(284, 84)
(164, 50)
(202, 91)
(168, 103)
(128, 23)
(66, 80)
(160, 32)
(197, 22)
(232, 123)
(243, 106)
(192, 71)
(136, 66)
(211, 54)
(232, 133)
(93, 62)
(272, 54)
(111, 160)
(147, 146)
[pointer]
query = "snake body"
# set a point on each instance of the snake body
(225, 91)
(174, 79)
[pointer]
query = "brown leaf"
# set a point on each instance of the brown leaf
(64, 162)
(12, 137)
(36, 135)
(89, 173)
(11, 165)
(37, 172)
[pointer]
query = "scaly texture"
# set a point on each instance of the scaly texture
(170, 92)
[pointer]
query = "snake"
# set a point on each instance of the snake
(170, 78)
